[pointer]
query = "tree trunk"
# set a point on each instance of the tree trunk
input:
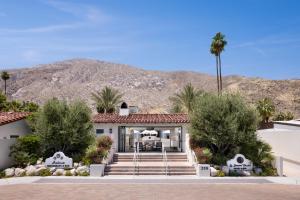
(220, 70)
(218, 82)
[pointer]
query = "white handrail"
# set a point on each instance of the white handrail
(165, 159)
(136, 158)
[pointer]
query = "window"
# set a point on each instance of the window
(110, 130)
(13, 136)
(99, 131)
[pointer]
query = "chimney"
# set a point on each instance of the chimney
(124, 110)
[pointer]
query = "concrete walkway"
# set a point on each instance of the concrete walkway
(133, 189)
(150, 180)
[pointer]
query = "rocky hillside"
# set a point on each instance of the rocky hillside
(150, 90)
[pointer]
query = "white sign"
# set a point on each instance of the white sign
(203, 170)
(59, 160)
(239, 163)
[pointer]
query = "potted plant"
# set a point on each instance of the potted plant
(97, 153)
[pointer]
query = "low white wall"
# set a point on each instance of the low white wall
(285, 143)
(5, 160)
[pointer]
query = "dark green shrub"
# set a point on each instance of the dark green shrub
(45, 172)
(27, 149)
(64, 127)
(2, 174)
(260, 153)
(223, 124)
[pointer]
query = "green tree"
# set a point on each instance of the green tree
(5, 76)
(266, 109)
(28, 106)
(64, 127)
(183, 102)
(3, 103)
(107, 100)
(222, 124)
(216, 48)
(26, 150)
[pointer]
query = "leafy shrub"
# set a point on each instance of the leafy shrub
(64, 127)
(289, 116)
(45, 172)
(281, 116)
(68, 173)
(104, 142)
(269, 171)
(223, 124)
(97, 152)
(84, 174)
(2, 174)
(203, 155)
(58, 174)
(260, 153)
(26, 150)
(220, 174)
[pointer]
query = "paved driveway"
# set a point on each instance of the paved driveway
(151, 191)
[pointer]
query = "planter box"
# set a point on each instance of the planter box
(203, 170)
(97, 170)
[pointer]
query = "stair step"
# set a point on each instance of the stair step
(150, 173)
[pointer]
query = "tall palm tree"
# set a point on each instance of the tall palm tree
(107, 100)
(5, 76)
(185, 99)
(217, 47)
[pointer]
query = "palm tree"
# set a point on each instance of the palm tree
(184, 100)
(217, 47)
(107, 100)
(5, 76)
(266, 109)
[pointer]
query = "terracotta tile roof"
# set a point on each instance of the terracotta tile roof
(141, 118)
(8, 117)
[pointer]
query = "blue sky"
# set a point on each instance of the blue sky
(263, 35)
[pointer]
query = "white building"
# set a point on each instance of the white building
(150, 131)
(284, 139)
(12, 126)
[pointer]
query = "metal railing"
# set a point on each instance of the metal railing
(165, 160)
(136, 159)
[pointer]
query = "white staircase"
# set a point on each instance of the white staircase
(150, 164)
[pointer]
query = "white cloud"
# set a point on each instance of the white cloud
(43, 29)
(85, 11)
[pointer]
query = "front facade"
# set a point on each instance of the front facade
(12, 126)
(150, 132)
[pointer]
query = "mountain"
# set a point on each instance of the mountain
(149, 90)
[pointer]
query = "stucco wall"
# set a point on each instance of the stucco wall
(15, 128)
(285, 143)
(114, 127)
